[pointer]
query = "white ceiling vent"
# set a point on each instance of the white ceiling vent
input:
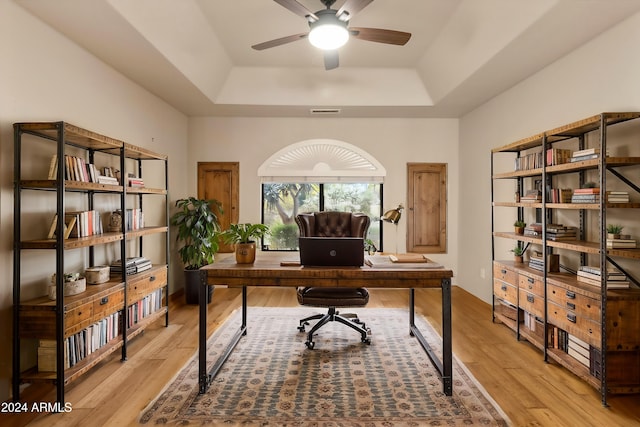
(321, 160)
(325, 111)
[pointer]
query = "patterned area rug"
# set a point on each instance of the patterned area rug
(272, 379)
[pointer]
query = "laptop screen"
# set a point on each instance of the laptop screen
(331, 251)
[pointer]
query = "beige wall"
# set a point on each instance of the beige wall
(393, 142)
(600, 76)
(44, 77)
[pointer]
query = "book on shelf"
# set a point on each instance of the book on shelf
(133, 265)
(53, 167)
(590, 190)
(533, 229)
(560, 195)
(531, 196)
(584, 157)
(102, 179)
(529, 161)
(621, 243)
(617, 197)
(87, 223)
(134, 181)
(593, 276)
(558, 156)
(585, 198)
(585, 152)
(558, 232)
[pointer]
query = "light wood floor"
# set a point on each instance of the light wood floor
(531, 392)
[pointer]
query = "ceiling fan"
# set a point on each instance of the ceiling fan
(329, 29)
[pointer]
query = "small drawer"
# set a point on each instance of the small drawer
(580, 326)
(532, 303)
(531, 284)
(78, 318)
(577, 303)
(108, 304)
(141, 286)
(500, 272)
(505, 291)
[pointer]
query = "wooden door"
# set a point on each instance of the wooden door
(427, 207)
(220, 180)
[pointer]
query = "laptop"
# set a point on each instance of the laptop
(331, 251)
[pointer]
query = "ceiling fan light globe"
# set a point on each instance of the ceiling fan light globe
(328, 36)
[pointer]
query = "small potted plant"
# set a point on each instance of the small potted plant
(244, 237)
(519, 226)
(198, 228)
(518, 252)
(613, 231)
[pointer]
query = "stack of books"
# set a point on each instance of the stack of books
(534, 229)
(586, 154)
(536, 261)
(586, 195)
(558, 232)
(133, 265)
(110, 180)
(532, 196)
(621, 243)
(617, 197)
(591, 275)
(135, 181)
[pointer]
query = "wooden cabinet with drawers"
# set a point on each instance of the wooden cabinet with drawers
(591, 328)
(74, 333)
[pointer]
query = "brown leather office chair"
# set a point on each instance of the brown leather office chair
(333, 224)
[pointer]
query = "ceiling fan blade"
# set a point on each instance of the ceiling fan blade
(298, 9)
(350, 8)
(379, 35)
(331, 59)
(280, 41)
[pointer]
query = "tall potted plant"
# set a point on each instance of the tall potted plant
(244, 236)
(198, 229)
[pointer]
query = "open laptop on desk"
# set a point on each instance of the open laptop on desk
(331, 251)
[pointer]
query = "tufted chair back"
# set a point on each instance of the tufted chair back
(333, 224)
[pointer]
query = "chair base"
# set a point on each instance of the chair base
(351, 320)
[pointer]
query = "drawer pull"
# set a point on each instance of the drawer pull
(571, 318)
(152, 278)
(503, 288)
(571, 295)
(503, 271)
(571, 306)
(104, 300)
(530, 298)
(530, 279)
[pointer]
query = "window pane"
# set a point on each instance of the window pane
(283, 201)
(356, 197)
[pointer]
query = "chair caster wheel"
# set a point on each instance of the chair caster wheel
(310, 344)
(301, 328)
(367, 341)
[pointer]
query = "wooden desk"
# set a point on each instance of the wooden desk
(268, 271)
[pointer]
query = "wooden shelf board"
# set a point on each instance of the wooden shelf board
(49, 184)
(72, 242)
(74, 135)
(145, 190)
(146, 231)
(574, 366)
(531, 337)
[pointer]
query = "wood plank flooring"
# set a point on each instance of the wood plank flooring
(531, 392)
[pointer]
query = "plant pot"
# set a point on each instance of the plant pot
(613, 236)
(518, 259)
(246, 253)
(192, 282)
(519, 230)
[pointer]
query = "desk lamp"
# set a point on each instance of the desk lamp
(393, 216)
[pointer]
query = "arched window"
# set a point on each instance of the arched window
(316, 175)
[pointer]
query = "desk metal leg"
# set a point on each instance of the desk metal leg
(444, 367)
(204, 378)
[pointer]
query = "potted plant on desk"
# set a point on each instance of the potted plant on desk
(518, 252)
(198, 229)
(244, 237)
